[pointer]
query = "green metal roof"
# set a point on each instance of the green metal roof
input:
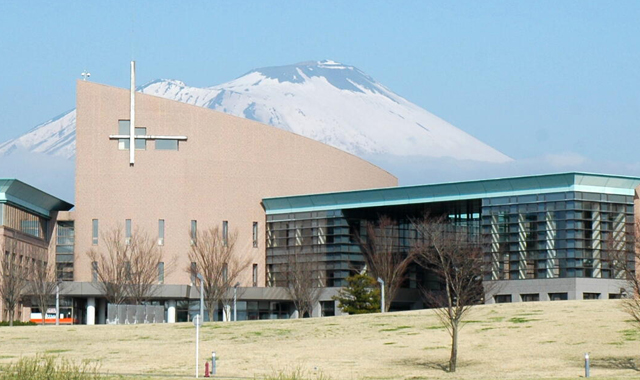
(452, 191)
(18, 193)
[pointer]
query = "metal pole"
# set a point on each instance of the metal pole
(213, 363)
(586, 365)
(199, 320)
(57, 304)
(235, 302)
(381, 281)
(202, 300)
(197, 342)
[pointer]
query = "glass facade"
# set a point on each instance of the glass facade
(551, 235)
(332, 238)
(556, 235)
(65, 242)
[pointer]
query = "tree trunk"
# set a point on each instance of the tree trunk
(454, 347)
(210, 310)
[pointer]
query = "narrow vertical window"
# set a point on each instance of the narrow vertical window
(225, 233)
(255, 234)
(160, 231)
(255, 275)
(127, 231)
(94, 232)
(194, 231)
(225, 272)
(161, 272)
(194, 272)
(94, 271)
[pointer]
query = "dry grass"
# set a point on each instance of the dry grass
(507, 341)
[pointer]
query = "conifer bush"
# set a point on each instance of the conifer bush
(360, 296)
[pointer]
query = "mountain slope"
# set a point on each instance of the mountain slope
(327, 101)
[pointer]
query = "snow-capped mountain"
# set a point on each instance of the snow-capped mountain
(327, 101)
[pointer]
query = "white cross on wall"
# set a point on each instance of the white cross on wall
(132, 134)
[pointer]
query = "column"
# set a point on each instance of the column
(91, 311)
(102, 311)
(171, 311)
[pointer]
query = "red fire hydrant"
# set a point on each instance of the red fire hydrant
(206, 369)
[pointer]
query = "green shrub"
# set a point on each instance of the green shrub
(360, 296)
(17, 323)
(49, 368)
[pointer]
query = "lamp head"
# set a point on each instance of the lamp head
(380, 280)
(236, 285)
(199, 276)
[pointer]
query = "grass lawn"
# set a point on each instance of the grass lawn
(505, 341)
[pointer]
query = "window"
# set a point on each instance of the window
(160, 231)
(94, 232)
(558, 296)
(328, 308)
(127, 233)
(31, 227)
(161, 272)
(94, 271)
(225, 233)
(194, 272)
(502, 298)
(535, 297)
(166, 144)
(255, 234)
(255, 275)
(123, 129)
(141, 144)
(194, 232)
(225, 272)
(590, 296)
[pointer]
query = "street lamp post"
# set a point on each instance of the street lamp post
(57, 303)
(235, 302)
(381, 281)
(199, 319)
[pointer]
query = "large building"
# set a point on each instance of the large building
(187, 169)
(546, 237)
(27, 226)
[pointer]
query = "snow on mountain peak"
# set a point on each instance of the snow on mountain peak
(328, 101)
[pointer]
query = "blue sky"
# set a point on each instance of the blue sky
(529, 78)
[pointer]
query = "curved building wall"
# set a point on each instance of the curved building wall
(221, 173)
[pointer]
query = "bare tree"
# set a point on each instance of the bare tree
(127, 269)
(383, 256)
(622, 255)
(303, 280)
(13, 279)
(219, 265)
(42, 279)
(142, 267)
(454, 255)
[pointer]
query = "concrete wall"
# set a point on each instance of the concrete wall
(574, 287)
(221, 173)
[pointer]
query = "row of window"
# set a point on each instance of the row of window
(535, 297)
(254, 273)
(161, 232)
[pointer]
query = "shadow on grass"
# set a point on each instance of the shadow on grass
(616, 363)
(432, 364)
